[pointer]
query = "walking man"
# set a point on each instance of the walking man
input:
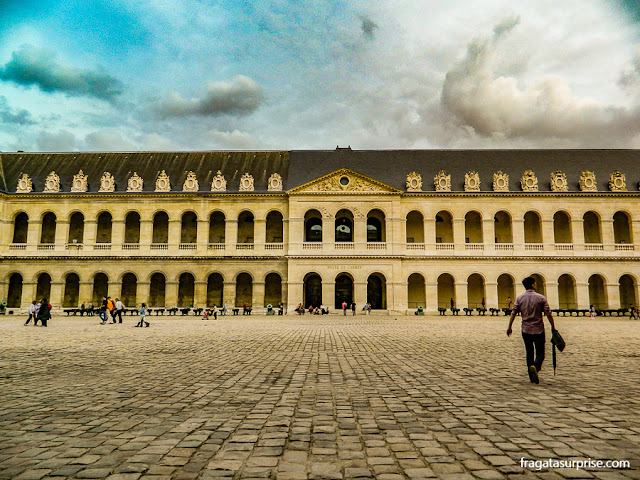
(102, 313)
(32, 313)
(531, 305)
(344, 307)
(119, 308)
(353, 307)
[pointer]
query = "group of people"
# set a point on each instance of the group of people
(114, 308)
(39, 312)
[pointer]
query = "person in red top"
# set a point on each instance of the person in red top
(531, 305)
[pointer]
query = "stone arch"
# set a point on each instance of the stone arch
(444, 227)
(344, 225)
(274, 227)
(476, 290)
(446, 290)
(246, 221)
(48, 230)
(186, 290)
(592, 227)
(532, 227)
(312, 290)
(473, 227)
(215, 290)
(416, 291)
(415, 227)
(562, 227)
(377, 291)
(189, 227)
(344, 289)
(217, 227)
(622, 227)
(160, 227)
(100, 288)
(628, 291)
(272, 289)
(503, 227)
(313, 226)
(567, 291)
(157, 290)
(506, 290)
(541, 286)
(376, 226)
(598, 291)
(132, 227)
(14, 295)
(76, 228)
(43, 288)
(129, 289)
(20, 227)
(71, 296)
(244, 289)
(104, 227)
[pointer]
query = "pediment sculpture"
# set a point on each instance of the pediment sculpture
(344, 180)
(191, 183)
(588, 181)
(529, 182)
(107, 183)
(80, 182)
(275, 183)
(472, 182)
(246, 183)
(135, 183)
(442, 181)
(163, 184)
(219, 184)
(558, 182)
(617, 182)
(52, 183)
(414, 182)
(500, 182)
(25, 185)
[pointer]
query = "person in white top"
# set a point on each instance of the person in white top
(118, 313)
(32, 313)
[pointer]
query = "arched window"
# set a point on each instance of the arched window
(562, 228)
(160, 228)
(622, 228)
(20, 228)
(71, 291)
(244, 290)
(186, 290)
(129, 290)
(597, 292)
(76, 228)
(189, 228)
(215, 289)
(377, 291)
(14, 297)
(157, 290)
(591, 222)
(343, 290)
(274, 227)
(344, 226)
(48, 232)
(104, 228)
(43, 289)
(506, 290)
(217, 222)
(567, 291)
(473, 227)
(312, 293)
(628, 290)
(132, 228)
(446, 291)
(313, 226)
(444, 227)
(415, 227)
(416, 295)
(245, 227)
(100, 288)
(532, 228)
(272, 290)
(475, 291)
(541, 287)
(503, 231)
(376, 226)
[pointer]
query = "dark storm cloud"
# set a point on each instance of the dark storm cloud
(368, 26)
(240, 96)
(10, 115)
(33, 66)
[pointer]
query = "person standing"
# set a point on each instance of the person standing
(353, 308)
(344, 307)
(452, 303)
(102, 313)
(44, 313)
(35, 317)
(215, 312)
(509, 302)
(119, 307)
(592, 311)
(90, 309)
(111, 307)
(143, 316)
(484, 303)
(32, 313)
(531, 305)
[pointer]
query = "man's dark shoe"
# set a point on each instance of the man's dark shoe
(533, 374)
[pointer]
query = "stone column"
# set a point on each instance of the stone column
(359, 293)
(329, 294)
(257, 301)
(4, 290)
(360, 233)
(608, 238)
(328, 234)
(431, 297)
(613, 296)
(117, 234)
(553, 297)
(285, 239)
(175, 230)
(90, 231)
(231, 237)
(397, 297)
(294, 295)
(29, 290)
(202, 237)
(577, 232)
(582, 294)
(488, 233)
(259, 234)
(461, 299)
(171, 294)
(57, 295)
(459, 235)
(200, 294)
(548, 235)
(491, 290)
(634, 226)
(397, 245)
(285, 297)
(62, 233)
(229, 293)
(85, 294)
(517, 232)
(142, 294)
(33, 232)
(6, 236)
(429, 234)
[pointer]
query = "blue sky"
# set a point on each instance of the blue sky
(189, 74)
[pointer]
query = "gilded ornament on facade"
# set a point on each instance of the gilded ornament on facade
(79, 182)
(414, 182)
(135, 183)
(500, 182)
(52, 183)
(107, 183)
(617, 182)
(163, 184)
(246, 183)
(191, 183)
(558, 182)
(529, 182)
(275, 183)
(472, 182)
(588, 181)
(442, 181)
(24, 184)
(219, 184)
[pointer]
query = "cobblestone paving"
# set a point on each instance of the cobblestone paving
(312, 398)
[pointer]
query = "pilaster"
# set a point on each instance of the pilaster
(461, 299)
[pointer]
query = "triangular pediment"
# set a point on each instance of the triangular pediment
(344, 181)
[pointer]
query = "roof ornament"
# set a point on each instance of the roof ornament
(79, 182)
(52, 183)
(191, 183)
(107, 183)
(25, 185)
(588, 181)
(246, 183)
(617, 182)
(558, 182)
(414, 182)
(275, 183)
(442, 181)
(135, 183)
(529, 182)
(219, 184)
(500, 182)
(472, 182)
(163, 184)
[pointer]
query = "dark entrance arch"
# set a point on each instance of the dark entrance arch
(43, 289)
(377, 291)
(312, 290)
(14, 298)
(71, 291)
(344, 290)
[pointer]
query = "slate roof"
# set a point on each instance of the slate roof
(301, 166)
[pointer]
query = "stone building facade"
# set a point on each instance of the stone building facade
(399, 229)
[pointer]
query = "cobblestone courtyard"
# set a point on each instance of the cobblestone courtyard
(313, 397)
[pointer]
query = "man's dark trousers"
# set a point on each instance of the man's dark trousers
(534, 341)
